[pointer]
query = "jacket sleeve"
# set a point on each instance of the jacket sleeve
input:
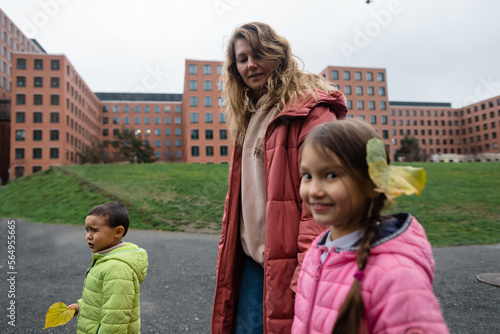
(308, 228)
(403, 301)
(118, 295)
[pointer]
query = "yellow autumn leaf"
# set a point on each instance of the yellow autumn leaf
(393, 181)
(58, 314)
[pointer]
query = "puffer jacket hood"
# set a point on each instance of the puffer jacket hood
(136, 258)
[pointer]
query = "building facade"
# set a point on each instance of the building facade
(156, 118)
(54, 114)
(206, 134)
(48, 114)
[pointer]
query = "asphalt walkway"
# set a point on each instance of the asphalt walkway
(177, 294)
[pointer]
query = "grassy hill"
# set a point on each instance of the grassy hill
(459, 206)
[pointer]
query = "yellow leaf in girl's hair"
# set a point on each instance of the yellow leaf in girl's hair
(58, 314)
(393, 181)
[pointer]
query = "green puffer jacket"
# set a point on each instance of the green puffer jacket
(110, 297)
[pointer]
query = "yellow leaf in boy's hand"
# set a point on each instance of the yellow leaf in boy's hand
(393, 181)
(58, 314)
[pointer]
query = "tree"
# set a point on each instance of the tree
(409, 150)
(131, 145)
(94, 153)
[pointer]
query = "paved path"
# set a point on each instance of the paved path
(177, 294)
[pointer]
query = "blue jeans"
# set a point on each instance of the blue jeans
(249, 317)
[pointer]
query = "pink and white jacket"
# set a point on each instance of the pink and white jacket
(396, 288)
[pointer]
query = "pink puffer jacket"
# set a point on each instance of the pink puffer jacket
(396, 288)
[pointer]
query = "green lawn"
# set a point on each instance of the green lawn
(460, 204)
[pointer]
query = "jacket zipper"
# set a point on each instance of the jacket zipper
(316, 277)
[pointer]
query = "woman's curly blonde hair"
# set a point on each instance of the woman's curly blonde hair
(285, 84)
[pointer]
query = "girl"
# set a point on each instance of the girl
(271, 107)
(368, 273)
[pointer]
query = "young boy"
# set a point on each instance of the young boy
(110, 296)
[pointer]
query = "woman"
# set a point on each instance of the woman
(271, 107)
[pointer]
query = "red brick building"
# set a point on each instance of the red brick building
(54, 114)
(156, 118)
(48, 113)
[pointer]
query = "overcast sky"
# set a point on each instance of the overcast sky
(433, 51)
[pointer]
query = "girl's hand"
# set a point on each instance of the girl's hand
(75, 307)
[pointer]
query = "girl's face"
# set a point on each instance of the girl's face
(253, 70)
(333, 196)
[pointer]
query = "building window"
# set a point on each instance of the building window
(38, 82)
(383, 105)
(193, 101)
(371, 105)
(20, 99)
(349, 104)
(20, 117)
(54, 64)
(207, 85)
(380, 76)
(116, 120)
(383, 119)
(194, 134)
(20, 135)
(209, 151)
(54, 82)
(223, 151)
(177, 131)
(38, 64)
(207, 69)
(37, 117)
(177, 120)
(126, 120)
(223, 134)
(209, 117)
(137, 120)
(54, 153)
(335, 75)
(369, 76)
(359, 90)
(157, 132)
(147, 120)
(195, 151)
(381, 91)
(158, 120)
(38, 99)
(54, 135)
(347, 90)
(220, 86)
(219, 69)
(208, 101)
(105, 120)
(361, 105)
(21, 63)
(21, 82)
(194, 117)
(222, 118)
(193, 69)
(168, 132)
(37, 153)
(357, 76)
(137, 109)
(147, 109)
(209, 134)
(347, 75)
(370, 91)
(54, 117)
(177, 143)
(36, 169)
(177, 109)
(54, 100)
(193, 85)
(157, 144)
(167, 120)
(19, 153)
(373, 119)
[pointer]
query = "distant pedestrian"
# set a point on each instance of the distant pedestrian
(271, 107)
(110, 297)
(368, 273)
